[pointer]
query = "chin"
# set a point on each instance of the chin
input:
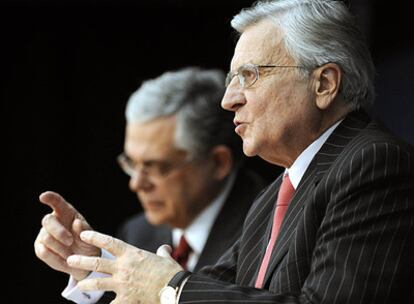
(154, 219)
(249, 148)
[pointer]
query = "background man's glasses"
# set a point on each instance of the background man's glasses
(154, 170)
(248, 74)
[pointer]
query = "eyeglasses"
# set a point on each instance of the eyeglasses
(153, 169)
(248, 74)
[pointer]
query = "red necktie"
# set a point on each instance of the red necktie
(181, 252)
(283, 199)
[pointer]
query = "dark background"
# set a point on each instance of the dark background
(69, 68)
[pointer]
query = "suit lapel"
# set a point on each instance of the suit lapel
(322, 161)
(164, 236)
(227, 226)
(257, 235)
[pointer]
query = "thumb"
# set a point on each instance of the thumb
(80, 225)
(164, 251)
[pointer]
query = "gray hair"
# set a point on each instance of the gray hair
(193, 95)
(317, 32)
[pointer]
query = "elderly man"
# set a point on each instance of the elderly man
(185, 165)
(338, 225)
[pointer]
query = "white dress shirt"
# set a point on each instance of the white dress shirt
(196, 235)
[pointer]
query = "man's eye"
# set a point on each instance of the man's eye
(163, 168)
(156, 167)
(130, 161)
(247, 73)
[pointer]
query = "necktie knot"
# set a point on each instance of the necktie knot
(182, 252)
(286, 191)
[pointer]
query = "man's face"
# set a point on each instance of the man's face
(171, 189)
(274, 114)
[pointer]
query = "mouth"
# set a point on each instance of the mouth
(237, 122)
(240, 126)
(152, 205)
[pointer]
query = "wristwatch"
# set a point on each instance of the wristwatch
(169, 293)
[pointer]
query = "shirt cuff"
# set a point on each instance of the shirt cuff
(73, 293)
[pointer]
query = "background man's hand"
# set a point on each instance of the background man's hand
(59, 236)
(137, 276)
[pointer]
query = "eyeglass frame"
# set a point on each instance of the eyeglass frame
(132, 170)
(256, 67)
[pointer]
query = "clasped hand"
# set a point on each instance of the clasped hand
(59, 236)
(66, 243)
(137, 275)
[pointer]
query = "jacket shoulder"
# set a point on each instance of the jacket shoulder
(137, 231)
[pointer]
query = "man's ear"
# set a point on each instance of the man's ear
(327, 82)
(223, 161)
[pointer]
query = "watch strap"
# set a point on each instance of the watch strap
(178, 278)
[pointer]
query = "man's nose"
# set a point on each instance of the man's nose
(233, 97)
(139, 182)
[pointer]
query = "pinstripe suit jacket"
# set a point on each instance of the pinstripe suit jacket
(347, 236)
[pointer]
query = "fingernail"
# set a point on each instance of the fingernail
(85, 235)
(72, 260)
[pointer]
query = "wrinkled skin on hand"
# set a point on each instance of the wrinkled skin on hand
(137, 275)
(59, 236)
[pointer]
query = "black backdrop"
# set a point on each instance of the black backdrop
(69, 68)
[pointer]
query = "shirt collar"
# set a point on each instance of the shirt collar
(197, 232)
(298, 169)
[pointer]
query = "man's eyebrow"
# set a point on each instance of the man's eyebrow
(146, 162)
(152, 162)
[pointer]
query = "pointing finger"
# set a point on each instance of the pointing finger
(91, 263)
(103, 241)
(60, 206)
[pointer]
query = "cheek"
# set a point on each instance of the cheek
(175, 197)
(264, 111)
(271, 119)
(191, 192)
(158, 204)
(260, 105)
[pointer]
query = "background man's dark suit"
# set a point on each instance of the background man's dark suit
(347, 236)
(224, 232)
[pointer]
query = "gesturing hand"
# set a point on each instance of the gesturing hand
(59, 236)
(137, 275)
